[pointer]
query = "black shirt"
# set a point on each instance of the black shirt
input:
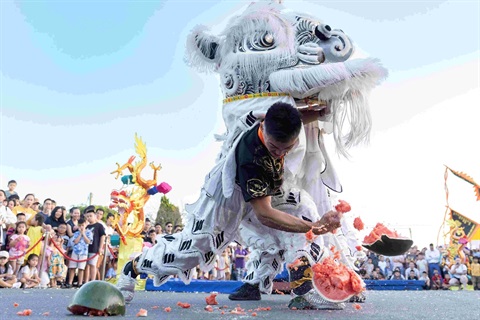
(54, 222)
(258, 173)
(98, 231)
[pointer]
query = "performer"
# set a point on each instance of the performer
(269, 55)
(214, 220)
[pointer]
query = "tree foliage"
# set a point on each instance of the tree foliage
(168, 212)
(105, 209)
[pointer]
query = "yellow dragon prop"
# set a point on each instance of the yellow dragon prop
(458, 241)
(130, 219)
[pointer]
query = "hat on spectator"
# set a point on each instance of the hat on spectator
(397, 270)
(4, 254)
(36, 201)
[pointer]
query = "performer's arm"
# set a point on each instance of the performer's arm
(309, 116)
(280, 220)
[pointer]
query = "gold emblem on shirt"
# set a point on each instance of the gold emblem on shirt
(256, 188)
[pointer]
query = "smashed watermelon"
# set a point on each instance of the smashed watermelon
(334, 281)
(386, 242)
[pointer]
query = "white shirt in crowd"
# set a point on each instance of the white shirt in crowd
(432, 256)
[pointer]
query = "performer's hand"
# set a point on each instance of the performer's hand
(329, 222)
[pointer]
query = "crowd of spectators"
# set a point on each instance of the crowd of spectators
(44, 245)
(77, 241)
(432, 265)
(78, 250)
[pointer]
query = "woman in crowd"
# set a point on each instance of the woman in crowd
(6, 218)
(56, 218)
(25, 207)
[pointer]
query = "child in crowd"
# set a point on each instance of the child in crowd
(364, 275)
(62, 233)
(425, 278)
(222, 266)
(79, 243)
(436, 280)
(374, 275)
(29, 273)
(397, 275)
(19, 242)
(11, 204)
(388, 268)
(446, 281)
(35, 233)
(11, 230)
(111, 269)
(475, 273)
(369, 266)
(412, 275)
(56, 265)
(12, 184)
(7, 278)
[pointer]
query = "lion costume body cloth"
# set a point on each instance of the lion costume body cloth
(266, 55)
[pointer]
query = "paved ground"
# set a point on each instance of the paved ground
(464, 305)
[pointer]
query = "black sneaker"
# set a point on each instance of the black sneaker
(246, 292)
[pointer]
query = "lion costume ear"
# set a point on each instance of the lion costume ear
(203, 51)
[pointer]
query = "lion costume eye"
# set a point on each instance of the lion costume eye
(260, 42)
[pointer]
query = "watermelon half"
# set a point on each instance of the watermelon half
(334, 281)
(386, 242)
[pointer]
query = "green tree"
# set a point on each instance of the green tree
(168, 212)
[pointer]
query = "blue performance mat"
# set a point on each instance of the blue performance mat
(176, 285)
(394, 284)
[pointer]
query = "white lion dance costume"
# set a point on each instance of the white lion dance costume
(266, 55)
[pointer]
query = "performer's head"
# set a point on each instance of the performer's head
(281, 128)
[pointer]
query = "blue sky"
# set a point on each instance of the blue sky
(79, 78)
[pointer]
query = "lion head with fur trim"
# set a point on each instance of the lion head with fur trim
(268, 48)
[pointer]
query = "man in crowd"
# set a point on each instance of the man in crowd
(47, 208)
(95, 248)
(36, 205)
(458, 271)
(433, 257)
(158, 231)
(168, 227)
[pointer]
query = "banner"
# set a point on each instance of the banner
(467, 178)
(465, 227)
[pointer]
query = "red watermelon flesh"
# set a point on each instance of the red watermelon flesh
(377, 232)
(334, 281)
